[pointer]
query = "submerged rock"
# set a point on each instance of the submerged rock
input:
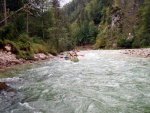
(3, 86)
(8, 97)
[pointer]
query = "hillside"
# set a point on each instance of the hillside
(110, 24)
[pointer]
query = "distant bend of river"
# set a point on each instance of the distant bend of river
(103, 81)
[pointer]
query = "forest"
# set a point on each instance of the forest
(35, 26)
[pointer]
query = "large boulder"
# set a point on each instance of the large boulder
(7, 47)
(40, 56)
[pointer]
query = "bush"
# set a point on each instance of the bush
(8, 32)
(36, 40)
(14, 46)
(100, 43)
(1, 44)
(53, 52)
(144, 43)
(38, 48)
(125, 43)
(25, 55)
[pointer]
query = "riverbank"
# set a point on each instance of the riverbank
(85, 47)
(142, 52)
(7, 59)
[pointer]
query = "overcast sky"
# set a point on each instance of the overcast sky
(63, 2)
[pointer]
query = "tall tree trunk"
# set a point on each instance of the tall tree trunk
(27, 24)
(5, 12)
(42, 20)
(56, 6)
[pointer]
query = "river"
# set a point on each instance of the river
(103, 81)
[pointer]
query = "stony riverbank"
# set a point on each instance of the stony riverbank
(7, 59)
(85, 47)
(143, 52)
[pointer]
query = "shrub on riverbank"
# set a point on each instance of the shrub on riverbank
(25, 47)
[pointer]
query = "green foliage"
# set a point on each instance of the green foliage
(86, 34)
(39, 25)
(99, 22)
(53, 51)
(145, 40)
(93, 13)
(124, 43)
(19, 22)
(24, 42)
(96, 13)
(144, 27)
(49, 19)
(136, 43)
(100, 43)
(93, 32)
(15, 48)
(36, 39)
(38, 48)
(25, 55)
(1, 44)
(24, 49)
(48, 30)
(8, 32)
(121, 42)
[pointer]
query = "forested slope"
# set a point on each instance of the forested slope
(33, 26)
(110, 23)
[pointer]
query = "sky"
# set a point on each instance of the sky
(63, 2)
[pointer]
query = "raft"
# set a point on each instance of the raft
(66, 58)
(74, 59)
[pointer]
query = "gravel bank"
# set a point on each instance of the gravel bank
(144, 52)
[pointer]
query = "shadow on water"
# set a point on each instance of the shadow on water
(101, 82)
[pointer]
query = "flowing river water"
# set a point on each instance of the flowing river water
(103, 81)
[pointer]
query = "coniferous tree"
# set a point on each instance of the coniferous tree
(144, 29)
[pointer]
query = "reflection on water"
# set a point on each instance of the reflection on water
(101, 82)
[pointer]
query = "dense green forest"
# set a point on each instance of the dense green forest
(110, 23)
(33, 26)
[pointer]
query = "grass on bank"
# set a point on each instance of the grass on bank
(25, 47)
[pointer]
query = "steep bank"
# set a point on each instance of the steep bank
(110, 24)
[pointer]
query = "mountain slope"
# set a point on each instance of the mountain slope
(110, 24)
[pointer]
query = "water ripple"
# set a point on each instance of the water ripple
(101, 82)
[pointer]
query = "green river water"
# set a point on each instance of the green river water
(103, 81)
